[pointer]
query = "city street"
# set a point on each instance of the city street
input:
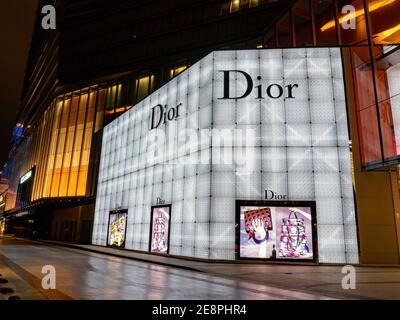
(88, 275)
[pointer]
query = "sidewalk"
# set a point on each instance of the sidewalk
(372, 282)
(20, 286)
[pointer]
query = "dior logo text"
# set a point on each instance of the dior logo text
(273, 91)
(162, 114)
(272, 195)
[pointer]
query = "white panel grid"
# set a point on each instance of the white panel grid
(331, 243)
(248, 185)
(221, 210)
(202, 240)
(300, 149)
(329, 211)
(203, 210)
(276, 181)
(301, 186)
(299, 159)
(274, 159)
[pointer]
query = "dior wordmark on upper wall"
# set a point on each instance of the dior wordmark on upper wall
(273, 90)
(161, 114)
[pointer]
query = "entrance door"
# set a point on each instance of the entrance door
(160, 225)
(86, 231)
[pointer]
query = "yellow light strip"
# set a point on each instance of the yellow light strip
(372, 7)
(387, 33)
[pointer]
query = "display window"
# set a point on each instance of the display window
(160, 225)
(277, 230)
(117, 228)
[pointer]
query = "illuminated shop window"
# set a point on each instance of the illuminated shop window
(114, 102)
(100, 110)
(177, 70)
(144, 86)
(253, 3)
(235, 5)
(111, 95)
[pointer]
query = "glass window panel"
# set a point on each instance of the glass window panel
(67, 152)
(100, 110)
(324, 22)
(74, 168)
(348, 33)
(270, 39)
(52, 150)
(284, 32)
(387, 130)
(62, 133)
(144, 86)
(235, 6)
(366, 106)
(389, 69)
(254, 3)
(119, 95)
(85, 153)
(111, 95)
(177, 70)
(303, 23)
(384, 21)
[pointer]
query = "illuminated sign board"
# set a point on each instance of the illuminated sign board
(255, 125)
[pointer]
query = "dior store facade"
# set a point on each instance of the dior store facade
(245, 155)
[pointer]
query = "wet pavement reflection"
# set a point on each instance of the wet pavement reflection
(85, 275)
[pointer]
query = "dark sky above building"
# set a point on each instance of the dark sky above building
(16, 25)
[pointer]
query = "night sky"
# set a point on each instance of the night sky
(16, 24)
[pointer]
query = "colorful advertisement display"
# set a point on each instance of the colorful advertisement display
(117, 228)
(277, 231)
(160, 229)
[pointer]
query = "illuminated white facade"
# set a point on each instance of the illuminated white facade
(290, 135)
